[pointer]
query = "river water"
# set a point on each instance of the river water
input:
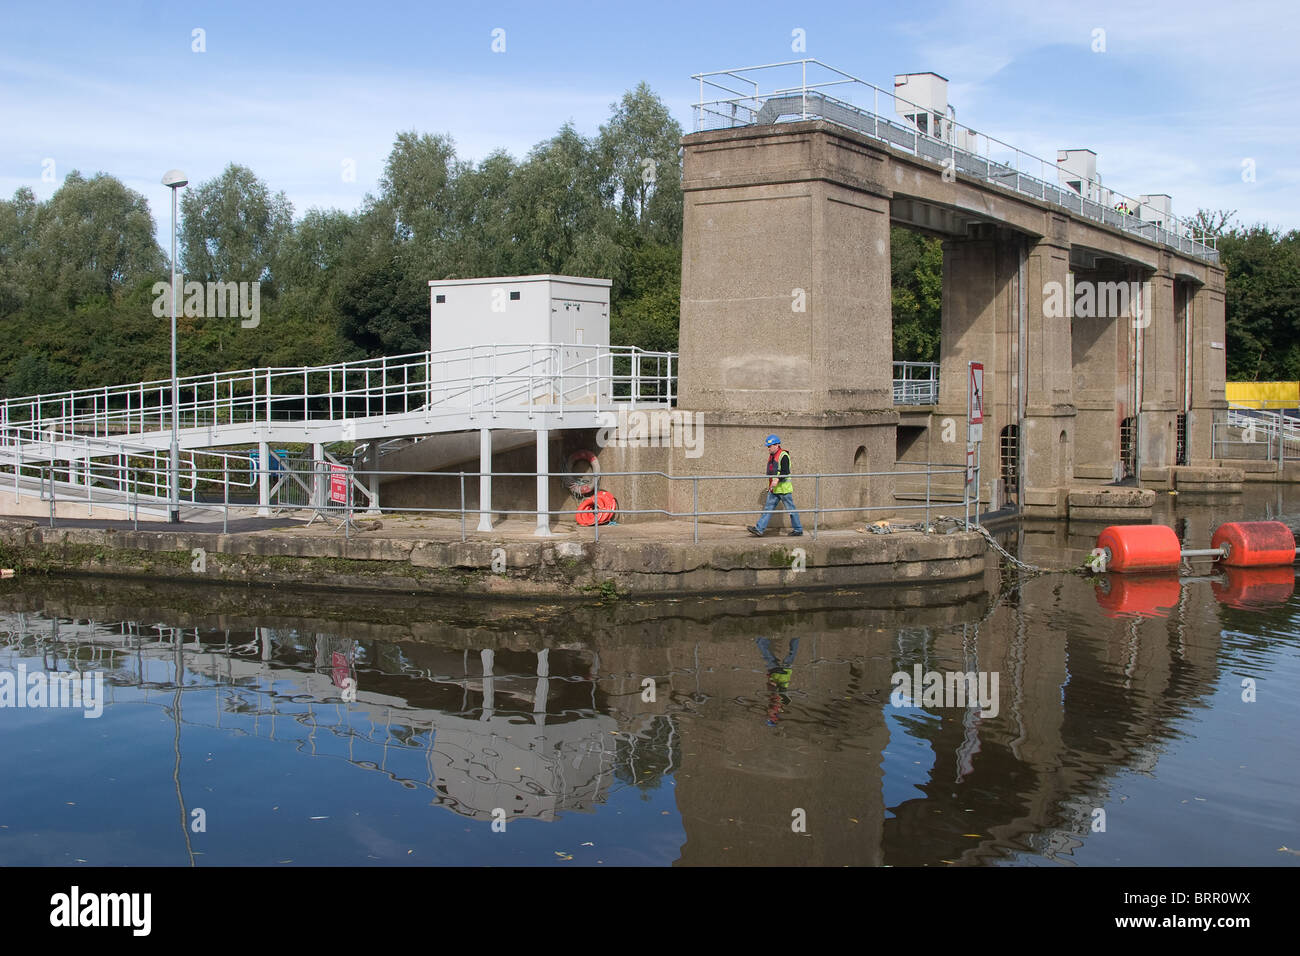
(1124, 722)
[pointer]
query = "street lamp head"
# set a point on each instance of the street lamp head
(174, 178)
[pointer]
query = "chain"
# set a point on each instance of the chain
(1011, 558)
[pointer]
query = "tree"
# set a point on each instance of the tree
(17, 225)
(559, 221)
(482, 200)
(639, 152)
(36, 375)
(419, 186)
(1212, 223)
(233, 229)
(1262, 303)
(94, 237)
(916, 267)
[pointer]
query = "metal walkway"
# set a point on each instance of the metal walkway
(116, 438)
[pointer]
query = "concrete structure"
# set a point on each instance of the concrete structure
(1102, 336)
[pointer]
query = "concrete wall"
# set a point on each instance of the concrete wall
(786, 313)
(786, 320)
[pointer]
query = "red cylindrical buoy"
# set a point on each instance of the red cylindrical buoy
(1147, 595)
(1255, 587)
(1255, 544)
(1141, 547)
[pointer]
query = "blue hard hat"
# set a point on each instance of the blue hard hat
(773, 440)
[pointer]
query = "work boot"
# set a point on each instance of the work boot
(754, 531)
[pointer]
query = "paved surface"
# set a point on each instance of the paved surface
(236, 525)
(444, 529)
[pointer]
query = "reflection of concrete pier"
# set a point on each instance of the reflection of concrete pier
(539, 716)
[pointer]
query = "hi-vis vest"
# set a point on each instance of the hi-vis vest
(783, 487)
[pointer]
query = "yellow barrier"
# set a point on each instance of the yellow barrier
(1263, 394)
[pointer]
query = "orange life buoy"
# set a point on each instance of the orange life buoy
(588, 514)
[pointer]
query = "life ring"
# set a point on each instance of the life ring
(579, 485)
(588, 514)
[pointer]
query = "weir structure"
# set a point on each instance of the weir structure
(1099, 319)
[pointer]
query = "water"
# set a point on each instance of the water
(1120, 735)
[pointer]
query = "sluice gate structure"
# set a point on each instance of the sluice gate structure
(786, 320)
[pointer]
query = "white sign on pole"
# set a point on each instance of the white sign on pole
(975, 403)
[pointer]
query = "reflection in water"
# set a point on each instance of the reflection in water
(396, 730)
(778, 677)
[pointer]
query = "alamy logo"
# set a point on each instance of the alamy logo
(40, 689)
(657, 428)
(1095, 300)
(215, 300)
(946, 689)
(75, 908)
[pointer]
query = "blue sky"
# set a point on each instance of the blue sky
(1182, 96)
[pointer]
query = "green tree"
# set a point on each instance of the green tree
(418, 185)
(557, 216)
(916, 274)
(1262, 269)
(639, 152)
(94, 237)
(232, 230)
(35, 374)
(17, 226)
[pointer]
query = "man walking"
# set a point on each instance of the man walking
(779, 489)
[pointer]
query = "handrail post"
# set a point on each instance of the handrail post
(817, 502)
(1281, 438)
(595, 505)
(462, 506)
(695, 506)
(51, 496)
(927, 494)
(225, 495)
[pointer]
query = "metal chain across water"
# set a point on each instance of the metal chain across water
(1011, 558)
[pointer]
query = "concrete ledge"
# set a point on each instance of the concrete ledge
(1111, 504)
(500, 567)
(1198, 480)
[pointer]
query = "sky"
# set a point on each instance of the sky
(1193, 99)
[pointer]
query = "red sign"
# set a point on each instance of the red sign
(339, 484)
(340, 668)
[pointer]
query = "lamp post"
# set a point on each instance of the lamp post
(174, 179)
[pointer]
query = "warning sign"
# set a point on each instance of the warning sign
(975, 403)
(338, 484)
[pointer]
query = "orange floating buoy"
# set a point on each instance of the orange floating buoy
(1255, 544)
(588, 513)
(1140, 547)
(1147, 595)
(1255, 587)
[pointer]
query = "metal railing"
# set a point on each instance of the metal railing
(116, 471)
(1248, 434)
(473, 378)
(339, 500)
(800, 90)
(916, 383)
